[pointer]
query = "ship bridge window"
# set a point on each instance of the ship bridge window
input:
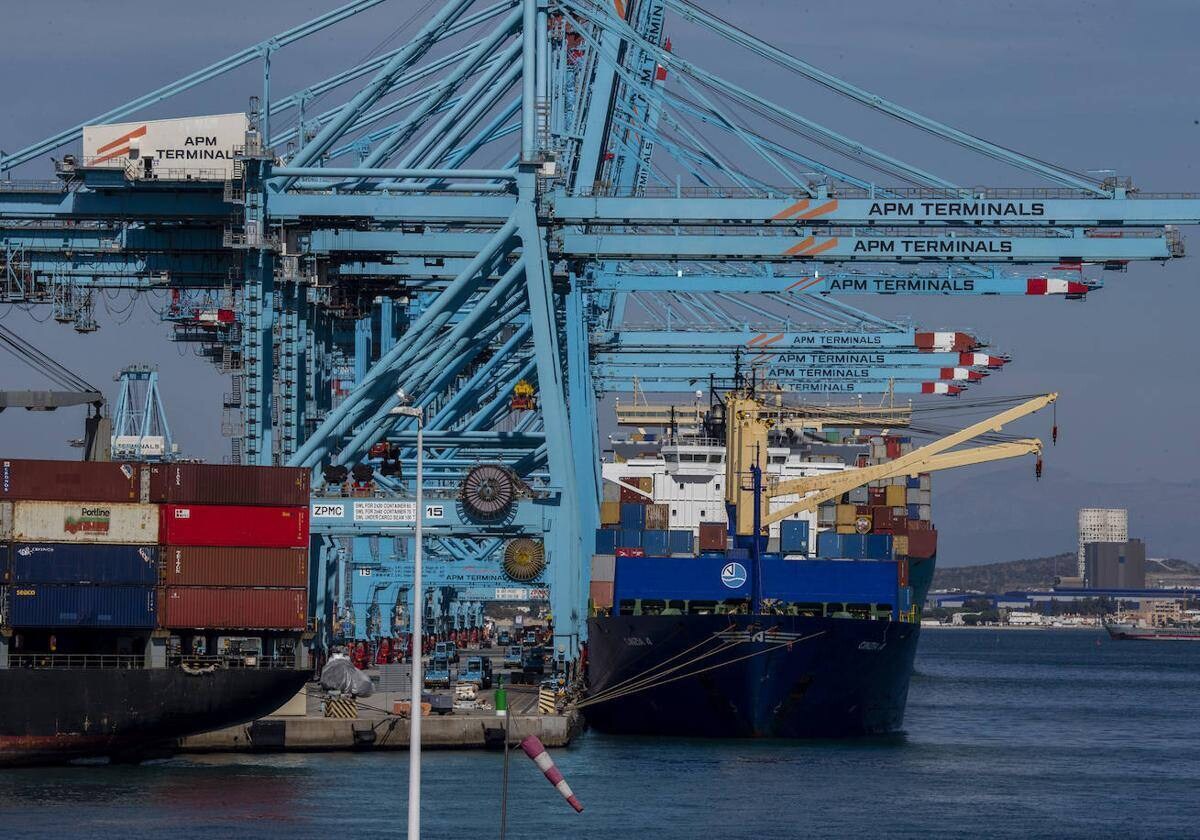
(714, 459)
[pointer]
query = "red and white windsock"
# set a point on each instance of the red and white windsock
(534, 749)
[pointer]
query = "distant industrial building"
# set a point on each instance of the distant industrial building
(1115, 565)
(1108, 525)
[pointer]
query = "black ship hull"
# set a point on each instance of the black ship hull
(747, 676)
(54, 715)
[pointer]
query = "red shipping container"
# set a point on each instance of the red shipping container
(893, 447)
(229, 525)
(221, 484)
(601, 593)
(922, 544)
(182, 607)
(876, 496)
(636, 551)
(224, 566)
(882, 520)
(69, 481)
(713, 536)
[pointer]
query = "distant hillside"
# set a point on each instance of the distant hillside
(1039, 573)
(1034, 573)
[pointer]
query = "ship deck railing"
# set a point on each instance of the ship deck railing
(75, 660)
(231, 660)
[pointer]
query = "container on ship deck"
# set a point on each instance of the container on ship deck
(859, 496)
(914, 511)
(611, 491)
(601, 594)
(855, 546)
(846, 514)
(69, 481)
(234, 566)
(922, 544)
(656, 542)
(912, 496)
(882, 520)
(682, 542)
(713, 536)
(895, 495)
(79, 563)
(610, 513)
(232, 608)
(793, 536)
(603, 566)
(900, 544)
(633, 516)
(926, 512)
(79, 522)
(913, 482)
(228, 525)
(629, 538)
(606, 540)
(658, 517)
(926, 481)
(876, 496)
(73, 605)
(223, 484)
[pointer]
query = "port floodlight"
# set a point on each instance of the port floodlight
(409, 411)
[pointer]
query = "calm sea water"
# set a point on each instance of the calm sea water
(1021, 734)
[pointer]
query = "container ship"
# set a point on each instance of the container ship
(144, 602)
(723, 604)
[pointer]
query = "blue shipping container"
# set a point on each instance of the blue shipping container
(629, 538)
(656, 543)
(57, 605)
(633, 517)
(606, 540)
(81, 563)
(906, 598)
(793, 536)
(914, 511)
(854, 546)
(914, 482)
(682, 542)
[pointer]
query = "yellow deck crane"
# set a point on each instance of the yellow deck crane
(748, 421)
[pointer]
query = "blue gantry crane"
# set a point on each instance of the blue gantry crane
(526, 205)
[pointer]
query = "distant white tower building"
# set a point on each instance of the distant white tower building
(1101, 525)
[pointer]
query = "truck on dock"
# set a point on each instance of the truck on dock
(437, 672)
(479, 672)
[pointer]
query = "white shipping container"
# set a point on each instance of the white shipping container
(80, 522)
(196, 148)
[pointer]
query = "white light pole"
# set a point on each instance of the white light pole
(414, 715)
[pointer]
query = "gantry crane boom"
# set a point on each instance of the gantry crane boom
(835, 484)
(928, 457)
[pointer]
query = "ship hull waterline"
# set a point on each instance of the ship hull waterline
(51, 715)
(748, 676)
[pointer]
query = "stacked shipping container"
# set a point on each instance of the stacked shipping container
(177, 546)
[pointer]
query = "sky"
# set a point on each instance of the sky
(1090, 85)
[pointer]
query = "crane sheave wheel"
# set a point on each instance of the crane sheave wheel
(488, 492)
(524, 559)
